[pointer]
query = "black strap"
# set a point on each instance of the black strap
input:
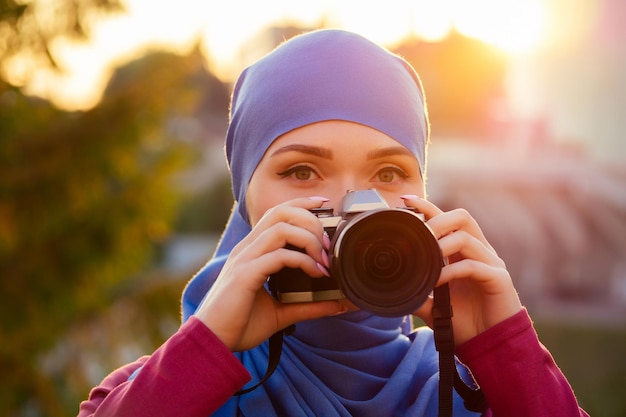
(473, 399)
(275, 350)
(444, 342)
(449, 377)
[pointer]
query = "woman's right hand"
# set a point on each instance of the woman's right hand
(237, 308)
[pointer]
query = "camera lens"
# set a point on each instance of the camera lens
(386, 261)
(381, 261)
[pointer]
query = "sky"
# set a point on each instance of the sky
(519, 27)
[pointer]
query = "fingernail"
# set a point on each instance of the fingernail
(323, 269)
(319, 198)
(409, 197)
(337, 313)
(325, 259)
(342, 310)
(326, 240)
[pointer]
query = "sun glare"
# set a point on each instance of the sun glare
(512, 25)
(515, 26)
(430, 20)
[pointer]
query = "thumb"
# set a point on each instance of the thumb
(425, 312)
(293, 313)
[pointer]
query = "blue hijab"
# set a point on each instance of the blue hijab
(356, 363)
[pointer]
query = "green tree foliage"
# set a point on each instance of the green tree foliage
(84, 197)
(206, 211)
(29, 28)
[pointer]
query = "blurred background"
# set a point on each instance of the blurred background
(113, 186)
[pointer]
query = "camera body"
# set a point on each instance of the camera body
(384, 260)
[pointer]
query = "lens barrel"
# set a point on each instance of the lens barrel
(386, 261)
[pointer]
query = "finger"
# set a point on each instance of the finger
(279, 236)
(468, 247)
(288, 314)
(296, 212)
(428, 209)
(271, 263)
(425, 311)
(458, 219)
(495, 298)
(492, 279)
(443, 223)
(250, 273)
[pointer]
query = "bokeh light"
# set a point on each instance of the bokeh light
(511, 25)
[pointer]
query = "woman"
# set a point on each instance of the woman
(324, 113)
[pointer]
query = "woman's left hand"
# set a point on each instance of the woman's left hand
(481, 290)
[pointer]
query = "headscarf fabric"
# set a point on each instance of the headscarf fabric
(324, 75)
(356, 363)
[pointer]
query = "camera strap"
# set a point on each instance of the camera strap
(275, 346)
(449, 377)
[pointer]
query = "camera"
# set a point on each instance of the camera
(384, 260)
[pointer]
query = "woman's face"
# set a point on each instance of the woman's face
(327, 159)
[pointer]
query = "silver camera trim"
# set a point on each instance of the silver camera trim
(307, 296)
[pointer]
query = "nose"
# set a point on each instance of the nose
(340, 189)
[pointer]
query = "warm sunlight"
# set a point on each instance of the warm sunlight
(515, 26)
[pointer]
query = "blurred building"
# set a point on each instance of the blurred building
(558, 220)
(549, 185)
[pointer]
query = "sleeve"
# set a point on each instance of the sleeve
(192, 374)
(517, 373)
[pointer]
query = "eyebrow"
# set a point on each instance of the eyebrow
(328, 154)
(310, 150)
(390, 151)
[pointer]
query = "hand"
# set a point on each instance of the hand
(238, 309)
(481, 290)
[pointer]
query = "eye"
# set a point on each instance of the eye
(300, 173)
(390, 174)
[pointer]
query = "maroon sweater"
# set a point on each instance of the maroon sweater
(192, 374)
